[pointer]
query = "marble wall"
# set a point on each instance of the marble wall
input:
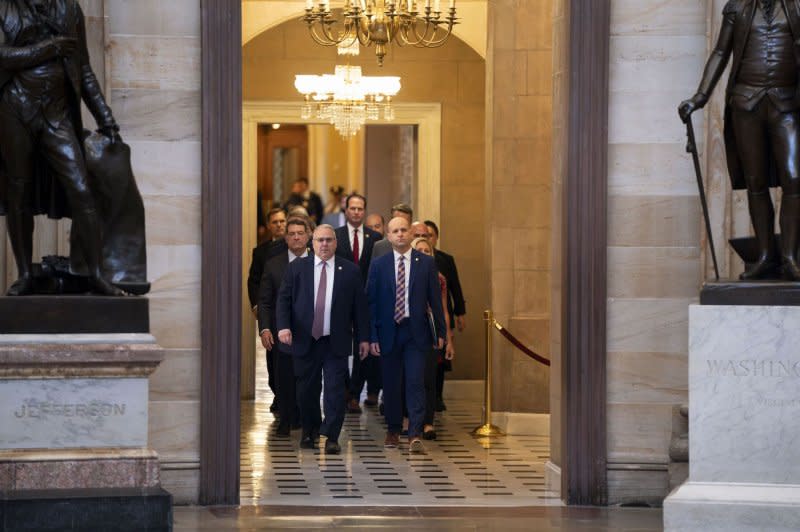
(518, 195)
(153, 80)
(654, 250)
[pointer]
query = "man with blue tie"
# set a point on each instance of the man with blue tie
(321, 307)
(402, 288)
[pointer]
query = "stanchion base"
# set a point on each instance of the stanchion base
(488, 430)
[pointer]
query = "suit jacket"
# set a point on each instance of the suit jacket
(455, 297)
(736, 23)
(381, 248)
(345, 250)
(349, 312)
(271, 280)
(261, 253)
(334, 219)
(422, 290)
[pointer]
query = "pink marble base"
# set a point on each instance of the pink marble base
(78, 469)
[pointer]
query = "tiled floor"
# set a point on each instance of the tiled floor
(457, 470)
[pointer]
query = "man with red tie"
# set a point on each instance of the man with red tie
(402, 288)
(355, 243)
(321, 307)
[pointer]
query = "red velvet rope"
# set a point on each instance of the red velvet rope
(519, 345)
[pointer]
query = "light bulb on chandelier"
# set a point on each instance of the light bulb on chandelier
(380, 23)
(347, 99)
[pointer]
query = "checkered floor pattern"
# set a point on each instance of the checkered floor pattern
(456, 469)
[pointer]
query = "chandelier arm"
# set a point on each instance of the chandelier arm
(324, 41)
(419, 39)
(436, 43)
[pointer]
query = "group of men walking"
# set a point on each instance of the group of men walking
(353, 293)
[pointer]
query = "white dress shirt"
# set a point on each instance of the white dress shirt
(329, 269)
(292, 256)
(407, 257)
(350, 230)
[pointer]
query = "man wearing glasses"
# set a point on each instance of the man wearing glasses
(321, 307)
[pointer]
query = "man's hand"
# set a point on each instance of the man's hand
(267, 340)
(375, 349)
(687, 107)
(285, 336)
(449, 351)
(363, 350)
(440, 343)
(461, 323)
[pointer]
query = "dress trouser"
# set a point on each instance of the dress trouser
(286, 388)
(431, 365)
(404, 360)
(310, 369)
(367, 370)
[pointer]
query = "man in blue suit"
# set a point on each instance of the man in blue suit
(402, 288)
(321, 306)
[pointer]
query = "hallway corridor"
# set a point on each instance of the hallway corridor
(457, 470)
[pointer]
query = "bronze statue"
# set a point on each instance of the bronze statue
(762, 120)
(47, 168)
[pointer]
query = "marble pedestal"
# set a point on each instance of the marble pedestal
(744, 422)
(74, 426)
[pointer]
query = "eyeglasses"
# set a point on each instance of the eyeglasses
(325, 240)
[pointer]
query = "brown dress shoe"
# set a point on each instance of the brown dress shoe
(392, 440)
(352, 406)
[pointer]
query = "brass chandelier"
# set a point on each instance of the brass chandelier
(381, 22)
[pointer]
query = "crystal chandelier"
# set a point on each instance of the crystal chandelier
(381, 22)
(347, 99)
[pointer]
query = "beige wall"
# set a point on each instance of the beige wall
(453, 75)
(654, 270)
(153, 58)
(518, 195)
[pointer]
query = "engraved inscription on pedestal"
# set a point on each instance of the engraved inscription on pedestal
(744, 394)
(72, 413)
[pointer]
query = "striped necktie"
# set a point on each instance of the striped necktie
(400, 294)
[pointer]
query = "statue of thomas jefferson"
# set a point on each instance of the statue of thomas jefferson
(44, 76)
(762, 120)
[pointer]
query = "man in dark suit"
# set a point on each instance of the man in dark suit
(298, 234)
(354, 243)
(321, 307)
(261, 253)
(402, 286)
(303, 196)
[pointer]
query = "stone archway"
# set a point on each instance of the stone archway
(581, 226)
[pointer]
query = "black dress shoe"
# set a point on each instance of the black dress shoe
(791, 270)
(283, 429)
(429, 435)
(332, 447)
(307, 442)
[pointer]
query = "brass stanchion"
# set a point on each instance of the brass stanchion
(487, 429)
